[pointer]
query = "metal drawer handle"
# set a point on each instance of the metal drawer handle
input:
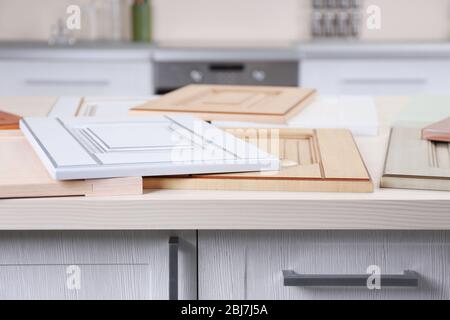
(64, 82)
(365, 81)
(173, 268)
(408, 279)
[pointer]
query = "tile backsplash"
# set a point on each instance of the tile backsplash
(221, 22)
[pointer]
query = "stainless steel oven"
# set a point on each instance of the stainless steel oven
(171, 75)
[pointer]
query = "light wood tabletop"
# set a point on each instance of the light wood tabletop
(182, 209)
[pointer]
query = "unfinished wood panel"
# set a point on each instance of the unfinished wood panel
(9, 121)
(249, 264)
(112, 265)
(27, 106)
(324, 160)
(233, 103)
(339, 155)
(23, 175)
(414, 163)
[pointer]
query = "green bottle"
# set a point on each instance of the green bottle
(141, 21)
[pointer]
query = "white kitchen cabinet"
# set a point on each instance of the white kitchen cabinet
(376, 76)
(75, 77)
(250, 264)
(94, 265)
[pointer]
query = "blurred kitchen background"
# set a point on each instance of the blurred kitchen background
(140, 47)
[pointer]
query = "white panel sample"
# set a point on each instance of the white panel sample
(357, 113)
(87, 148)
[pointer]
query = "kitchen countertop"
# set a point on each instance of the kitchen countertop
(99, 50)
(385, 209)
(308, 50)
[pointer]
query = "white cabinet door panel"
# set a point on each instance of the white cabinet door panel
(56, 78)
(94, 264)
(376, 76)
(249, 265)
(89, 148)
(70, 282)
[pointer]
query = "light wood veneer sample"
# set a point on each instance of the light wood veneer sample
(414, 163)
(232, 103)
(23, 175)
(323, 160)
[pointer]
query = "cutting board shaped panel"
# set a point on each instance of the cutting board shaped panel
(23, 175)
(311, 160)
(232, 103)
(414, 163)
(86, 148)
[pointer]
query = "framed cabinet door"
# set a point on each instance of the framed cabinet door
(375, 76)
(97, 265)
(324, 265)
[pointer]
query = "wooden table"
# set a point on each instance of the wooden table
(385, 209)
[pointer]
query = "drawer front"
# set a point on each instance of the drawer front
(69, 282)
(75, 78)
(95, 265)
(249, 265)
(376, 77)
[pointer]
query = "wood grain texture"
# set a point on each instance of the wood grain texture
(134, 213)
(384, 209)
(232, 103)
(414, 163)
(113, 265)
(323, 160)
(249, 264)
(23, 175)
(9, 121)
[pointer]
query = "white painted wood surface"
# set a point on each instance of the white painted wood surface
(72, 77)
(375, 76)
(112, 265)
(249, 264)
(357, 113)
(89, 148)
(173, 209)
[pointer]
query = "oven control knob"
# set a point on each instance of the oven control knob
(259, 75)
(196, 76)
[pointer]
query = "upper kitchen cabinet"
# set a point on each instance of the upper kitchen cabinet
(82, 69)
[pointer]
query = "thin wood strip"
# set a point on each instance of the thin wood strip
(340, 157)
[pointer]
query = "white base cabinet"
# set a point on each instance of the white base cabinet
(249, 264)
(376, 76)
(94, 265)
(72, 77)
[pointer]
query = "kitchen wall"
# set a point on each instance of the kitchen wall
(410, 20)
(246, 22)
(221, 22)
(34, 19)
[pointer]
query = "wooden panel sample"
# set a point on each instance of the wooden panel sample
(233, 103)
(23, 175)
(8, 121)
(324, 160)
(89, 148)
(414, 163)
(439, 131)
